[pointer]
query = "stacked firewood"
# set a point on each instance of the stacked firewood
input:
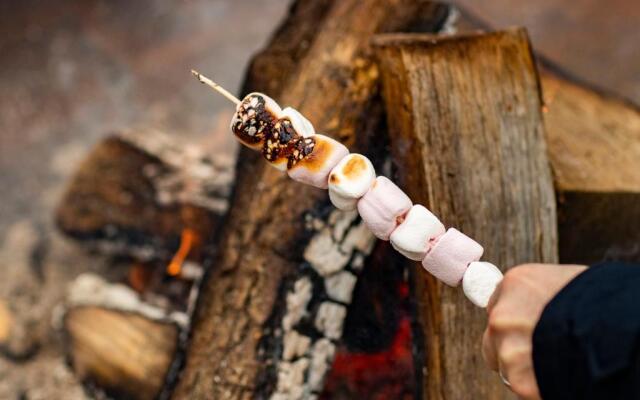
(467, 123)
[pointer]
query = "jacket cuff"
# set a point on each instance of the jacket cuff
(586, 336)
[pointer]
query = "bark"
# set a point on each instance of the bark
(274, 304)
(468, 141)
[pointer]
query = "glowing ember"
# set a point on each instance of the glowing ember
(378, 375)
(186, 242)
(387, 374)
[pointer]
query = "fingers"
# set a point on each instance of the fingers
(517, 368)
(489, 351)
(523, 382)
(494, 298)
(513, 311)
(488, 346)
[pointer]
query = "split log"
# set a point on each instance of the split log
(594, 148)
(137, 191)
(468, 141)
(119, 342)
(126, 354)
(273, 306)
(593, 142)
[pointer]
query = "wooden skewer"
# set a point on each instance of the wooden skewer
(215, 86)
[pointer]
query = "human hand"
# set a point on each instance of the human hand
(514, 310)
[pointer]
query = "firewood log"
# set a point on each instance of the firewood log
(126, 354)
(593, 142)
(274, 303)
(137, 191)
(467, 137)
(594, 147)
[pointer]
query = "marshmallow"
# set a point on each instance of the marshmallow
(480, 281)
(283, 147)
(350, 180)
(314, 169)
(383, 207)
(450, 256)
(254, 118)
(412, 238)
(302, 125)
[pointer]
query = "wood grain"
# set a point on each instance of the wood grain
(593, 138)
(467, 136)
(593, 142)
(127, 354)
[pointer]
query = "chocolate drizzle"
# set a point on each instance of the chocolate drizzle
(285, 143)
(301, 149)
(255, 124)
(252, 120)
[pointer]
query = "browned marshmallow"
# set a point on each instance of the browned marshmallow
(301, 125)
(349, 180)
(254, 118)
(283, 147)
(314, 168)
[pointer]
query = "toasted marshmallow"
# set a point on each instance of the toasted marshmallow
(284, 154)
(314, 168)
(480, 281)
(383, 207)
(451, 255)
(413, 237)
(301, 125)
(254, 118)
(349, 180)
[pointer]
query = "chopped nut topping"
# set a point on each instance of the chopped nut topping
(252, 120)
(254, 124)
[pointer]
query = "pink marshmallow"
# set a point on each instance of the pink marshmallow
(414, 236)
(314, 169)
(451, 255)
(382, 207)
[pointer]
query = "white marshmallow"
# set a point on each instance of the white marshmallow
(341, 202)
(350, 180)
(480, 281)
(302, 125)
(412, 237)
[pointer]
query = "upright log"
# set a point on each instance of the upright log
(468, 141)
(273, 306)
(593, 142)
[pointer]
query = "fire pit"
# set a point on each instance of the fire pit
(177, 272)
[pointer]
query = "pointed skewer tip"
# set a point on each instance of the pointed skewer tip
(215, 86)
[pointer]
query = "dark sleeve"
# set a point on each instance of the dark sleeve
(587, 342)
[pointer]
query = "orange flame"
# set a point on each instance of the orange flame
(186, 242)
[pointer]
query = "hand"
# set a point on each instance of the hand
(514, 310)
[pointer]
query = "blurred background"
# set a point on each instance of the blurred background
(72, 72)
